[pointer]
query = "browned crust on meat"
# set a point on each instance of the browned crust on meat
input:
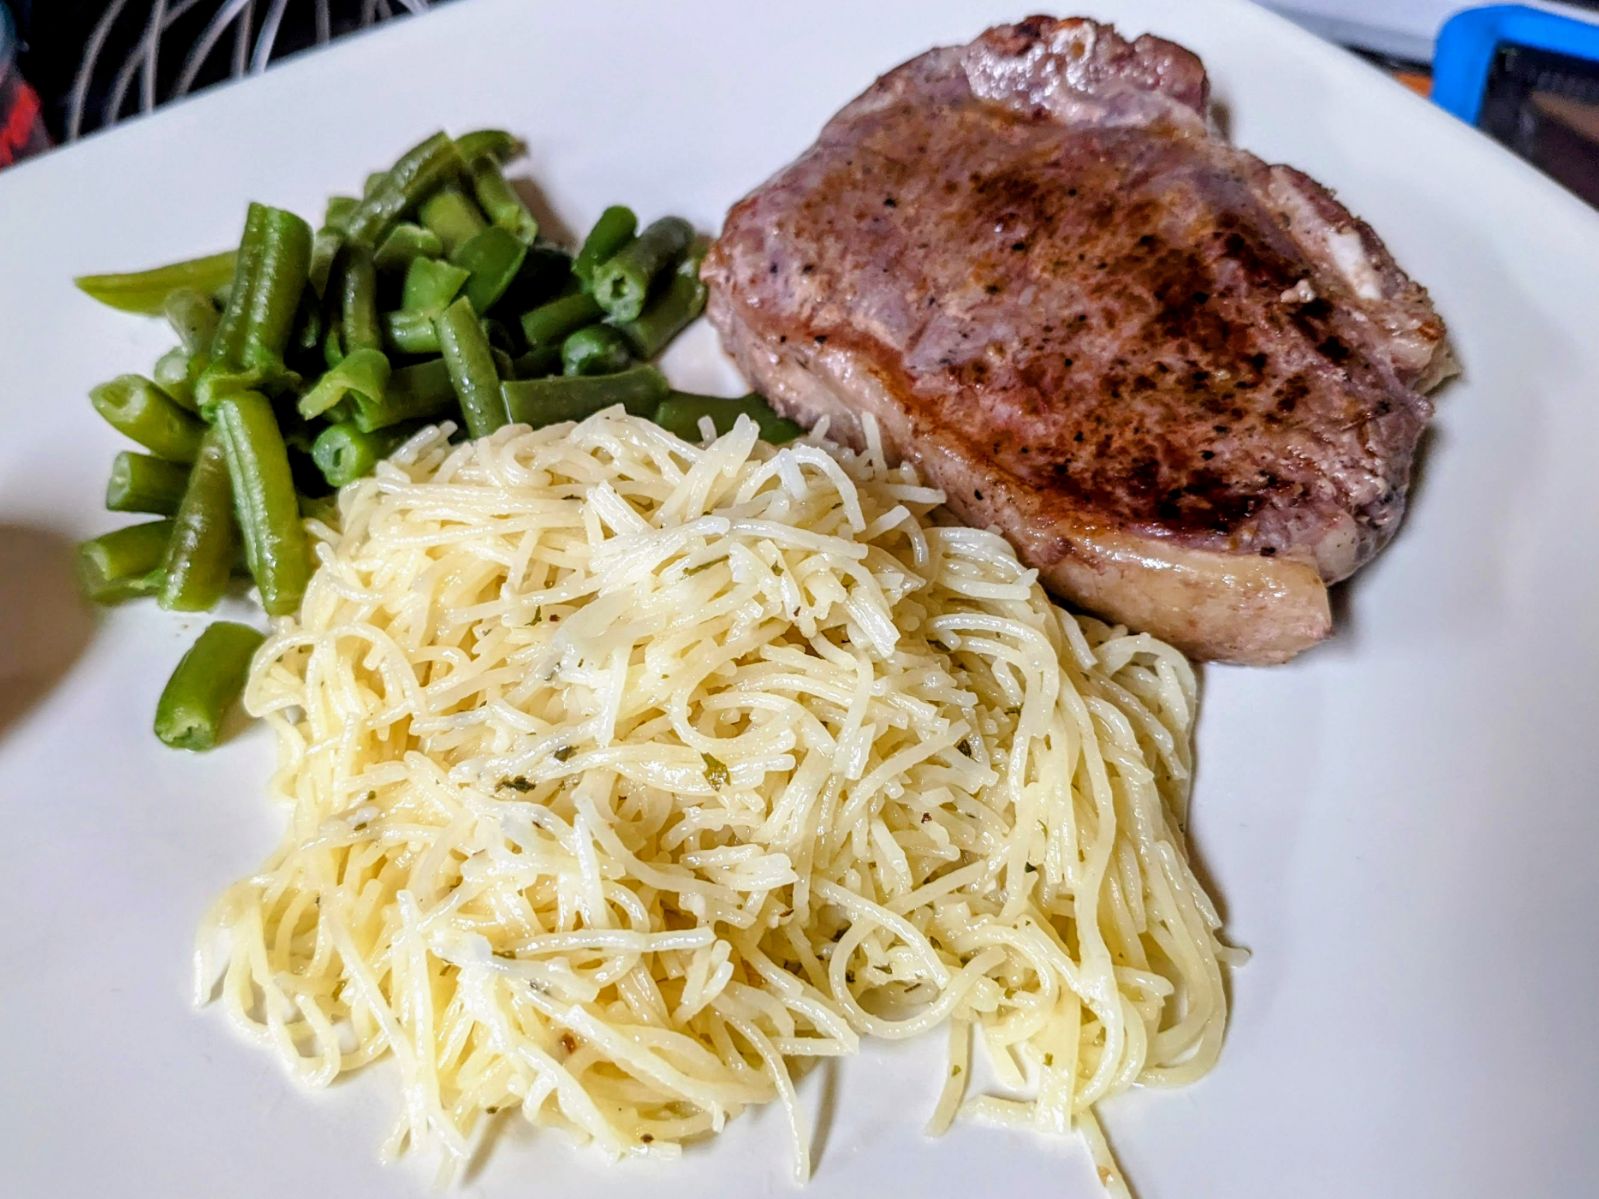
(1223, 607)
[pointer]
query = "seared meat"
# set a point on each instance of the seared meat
(1186, 384)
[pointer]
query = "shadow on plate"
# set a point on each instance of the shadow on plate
(47, 621)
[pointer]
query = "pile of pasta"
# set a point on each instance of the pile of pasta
(625, 776)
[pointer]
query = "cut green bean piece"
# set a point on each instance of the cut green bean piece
(540, 402)
(404, 243)
(472, 368)
(623, 282)
(193, 317)
(208, 680)
(358, 300)
(408, 182)
(344, 452)
(489, 143)
(493, 257)
(430, 284)
(146, 291)
(551, 324)
(419, 392)
(673, 308)
(141, 483)
(338, 211)
(453, 216)
(497, 198)
(372, 182)
(174, 374)
(363, 373)
(280, 277)
(410, 332)
(308, 327)
(333, 344)
(611, 232)
(227, 346)
(137, 408)
(204, 542)
(264, 498)
(596, 350)
(535, 364)
(680, 413)
(325, 247)
(124, 563)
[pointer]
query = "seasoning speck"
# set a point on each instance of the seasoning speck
(716, 771)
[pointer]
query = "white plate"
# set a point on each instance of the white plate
(1401, 825)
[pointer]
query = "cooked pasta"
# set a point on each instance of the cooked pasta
(624, 776)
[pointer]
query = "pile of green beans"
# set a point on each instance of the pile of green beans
(306, 356)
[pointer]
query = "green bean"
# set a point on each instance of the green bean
(174, 374)
(146, 291)
(285, 258)
(193, 317)
(535, 364)
(472, 368)
(227, 346)
(137, 408)
(453, 216)
(488, 143)
(408, 182)
(363, 372)
(499, 200)
(419, 392)
(332, 344)
(308, 325)
(372, 182)
(205, 685)
(410, 332)
(680, 413)
(671, 311)
(430, 284)
(204, 539)
(358, 296)
(596, 350)
(404, 243)
(345, 453)
(325, 247)
(124, 563)
(141, 483)
(338, 211)
(551, 324)
(263, 490)
(540, 402)
(611, 232)
(493, 257)
(324, 508)
(622, 283)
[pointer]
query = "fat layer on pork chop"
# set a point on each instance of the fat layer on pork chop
(1186, 384)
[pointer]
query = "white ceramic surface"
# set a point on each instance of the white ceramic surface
(1402, 825)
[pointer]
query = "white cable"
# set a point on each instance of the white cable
(241, 41)
(80, 82)
(268, 36)
(206, 42)
(152, 49)
(112, 110)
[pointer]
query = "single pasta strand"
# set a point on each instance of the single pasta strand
(623, 775)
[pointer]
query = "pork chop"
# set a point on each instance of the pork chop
(1186, 384)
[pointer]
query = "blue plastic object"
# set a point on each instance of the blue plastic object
(1470, 41)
